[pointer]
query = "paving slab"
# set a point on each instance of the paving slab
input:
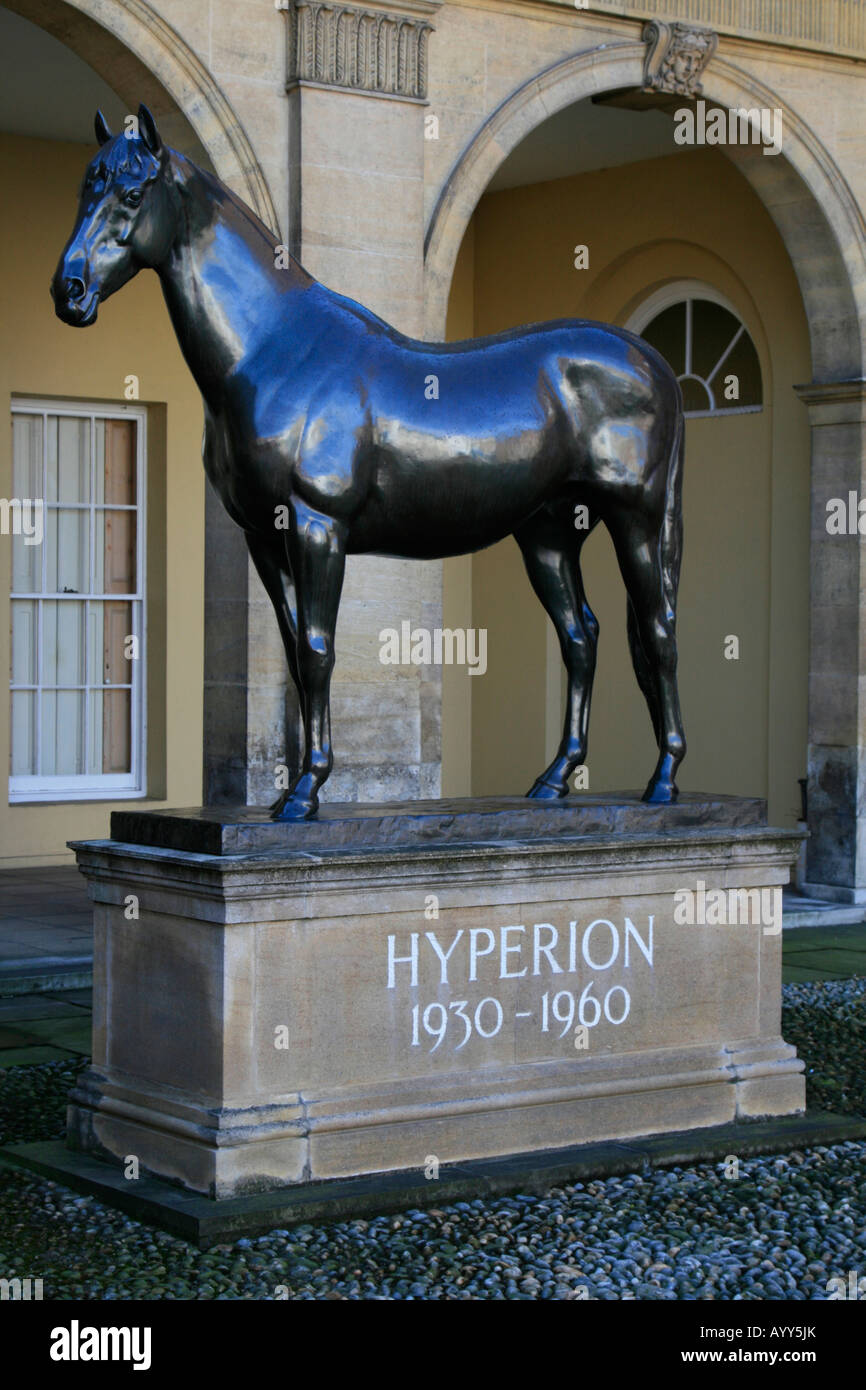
(807, 974)
(848, 963)
(14, 952)
(32, 1056)
(53, 940)
(73, 1033)
(811, 938)
(23, 976)
(19, 1008)
(46, 931)
(16, 1037)
(82, 997)
(80, 922)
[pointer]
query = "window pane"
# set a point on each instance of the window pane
(26, 455)
(119, 463)
(716, 333)
(115, 553)
(62, 733)
(667, 334)
(26, 554)
(26, 490)
(67, 538)
(68, 459)
(742, 363)
(95, 634)
(712, 330)
(62, 643)
(110, 664)
(23, 753)
(24, 620)
(115, 708)
(695, 395)
(99, 460)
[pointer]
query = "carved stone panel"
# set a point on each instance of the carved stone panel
(677, 55)
(368, 50)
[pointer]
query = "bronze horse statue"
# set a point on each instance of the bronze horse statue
(315, 405)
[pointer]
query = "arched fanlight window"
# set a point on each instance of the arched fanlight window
(708, 346)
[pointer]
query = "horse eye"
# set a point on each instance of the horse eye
(133, 197)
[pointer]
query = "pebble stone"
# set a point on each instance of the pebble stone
(781, 1229)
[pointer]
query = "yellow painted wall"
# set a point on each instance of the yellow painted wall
(40, 356)
(746, 498)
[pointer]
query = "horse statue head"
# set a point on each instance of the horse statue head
(127, 219)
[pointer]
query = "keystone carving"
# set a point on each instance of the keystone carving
(676, 57)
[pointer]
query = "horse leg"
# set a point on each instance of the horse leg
(654, 650)
(551, 553)
(642, 669)
(271, 562)
(317, 560)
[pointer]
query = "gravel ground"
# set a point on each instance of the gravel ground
(779, 1230)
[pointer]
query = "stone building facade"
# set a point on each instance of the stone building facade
(442, 161)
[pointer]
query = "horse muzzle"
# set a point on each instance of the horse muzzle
(73, 302)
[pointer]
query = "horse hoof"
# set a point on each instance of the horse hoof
(661, 793)
(546, 791)
(295, 808)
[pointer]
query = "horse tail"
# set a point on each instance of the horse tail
(671, 539)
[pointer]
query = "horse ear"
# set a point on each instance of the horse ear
(100, 125)
(148, 131)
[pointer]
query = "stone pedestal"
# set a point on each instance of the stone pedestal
(396, 987)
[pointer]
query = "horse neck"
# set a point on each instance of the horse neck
(220, 281)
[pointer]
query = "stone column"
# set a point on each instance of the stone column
(836, 855)
(356, 79)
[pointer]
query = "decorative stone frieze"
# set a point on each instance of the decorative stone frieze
(362, 49)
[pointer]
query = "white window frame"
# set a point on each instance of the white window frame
(685, 291)
(95, 786)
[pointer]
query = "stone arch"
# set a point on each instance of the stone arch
(802, 189)
(139, 53)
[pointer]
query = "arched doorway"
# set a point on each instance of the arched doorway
(806, 195)
(143, 58)
(808, 209)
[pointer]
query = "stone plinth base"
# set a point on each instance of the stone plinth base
(399, 1000)
(206, 1222)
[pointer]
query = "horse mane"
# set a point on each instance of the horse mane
(122, 155)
